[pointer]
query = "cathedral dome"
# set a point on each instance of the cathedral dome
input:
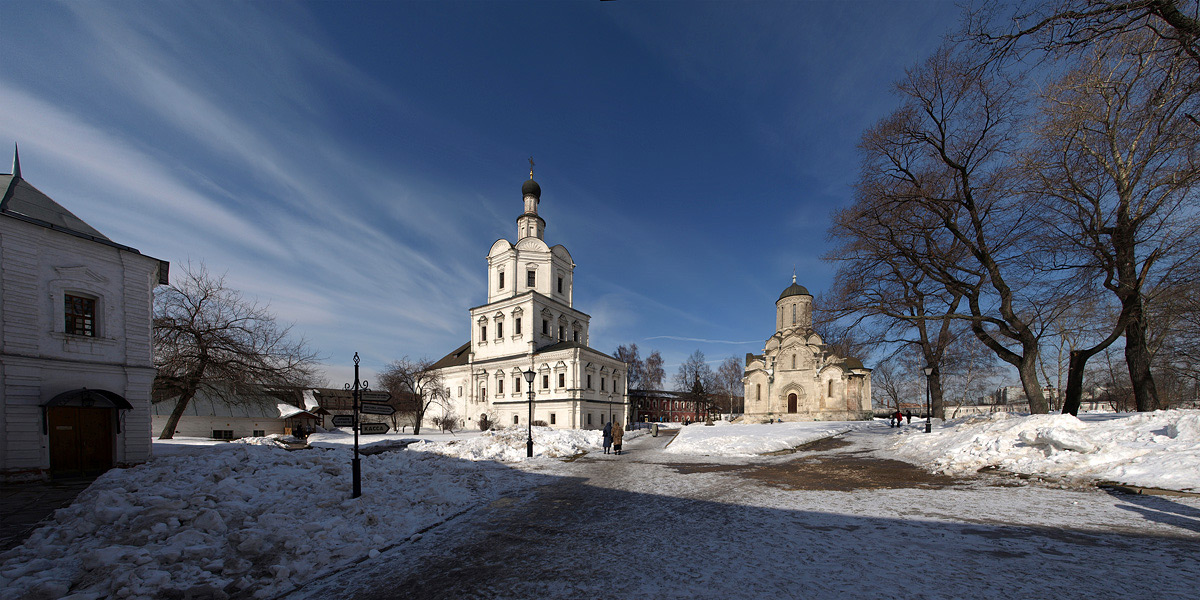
(531, 188)
(794, 290)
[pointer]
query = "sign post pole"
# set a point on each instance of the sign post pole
(355, 463)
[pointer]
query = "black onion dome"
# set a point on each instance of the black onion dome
(531, 188)
(794, 290)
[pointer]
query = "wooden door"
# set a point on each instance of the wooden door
(791, 403)
(81, 440)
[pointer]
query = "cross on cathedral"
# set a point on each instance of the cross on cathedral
(531, 167)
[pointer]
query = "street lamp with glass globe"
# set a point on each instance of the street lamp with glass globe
(529, 375)
(928, 411)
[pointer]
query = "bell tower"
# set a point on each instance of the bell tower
(529, 224)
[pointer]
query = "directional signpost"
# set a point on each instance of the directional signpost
(343, 420)
(373, 428)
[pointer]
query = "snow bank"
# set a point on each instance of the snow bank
(276, 440)
(737, 439)
(1159, 449)
(243, 519)
(509, 445)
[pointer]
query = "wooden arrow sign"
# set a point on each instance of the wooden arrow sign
(372, 428)
(373, 408)
(374, 396)
(343, 420)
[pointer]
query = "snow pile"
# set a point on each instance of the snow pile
(239, 519)
(509, 445)
(736, 439)
(1159, 449)
(277, 440)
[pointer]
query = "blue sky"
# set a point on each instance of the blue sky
(352, 162)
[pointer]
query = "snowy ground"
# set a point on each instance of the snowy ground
(697, 518)
(726, 439)
(1159, 449)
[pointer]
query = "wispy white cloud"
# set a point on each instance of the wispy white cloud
(701, 340)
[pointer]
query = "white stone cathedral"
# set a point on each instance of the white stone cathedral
(797, 378)
(530, 323)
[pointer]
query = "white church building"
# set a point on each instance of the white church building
(798, 377)
(530, 323)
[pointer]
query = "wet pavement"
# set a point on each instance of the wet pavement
(23, 506)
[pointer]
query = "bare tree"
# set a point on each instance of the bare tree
(887, 297)
(937, 187)
(694, 369)
(1116, 170)
(652, 377)
(729, 381)
(1066, 25)
(415, 377)
(208, 337)
(635, 366)
(891, 384)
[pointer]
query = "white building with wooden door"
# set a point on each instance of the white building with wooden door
(76, 363)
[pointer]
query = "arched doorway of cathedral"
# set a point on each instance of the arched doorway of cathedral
(791, 403)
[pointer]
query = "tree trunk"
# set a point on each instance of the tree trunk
(1075, 368)
(937, 394)
(1027, 369)
(181, 404)
(1137, 355)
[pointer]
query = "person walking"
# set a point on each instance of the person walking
(608, 439)
(908, 415)
(899, 417)
(618, 432)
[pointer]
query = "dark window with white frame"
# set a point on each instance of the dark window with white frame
(499, 329)
(553, 419)
(531, 278)
(545, 382)
(80, 313)
(517, 327)
(560, 285)
(562, 380)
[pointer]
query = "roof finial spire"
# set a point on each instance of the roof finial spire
(531, 166)
(793, 274)
(16, 170)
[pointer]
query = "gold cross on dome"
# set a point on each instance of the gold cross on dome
(531, 167)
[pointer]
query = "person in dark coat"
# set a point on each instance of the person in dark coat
(899, 417)
(908, 415)
(608, 438)
(618, 433)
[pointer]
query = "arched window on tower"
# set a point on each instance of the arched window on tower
(758, 391)
(793, 361)
(830, 394)
(793, 314)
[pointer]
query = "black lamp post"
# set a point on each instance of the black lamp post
(928, 402)
(529, 375)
